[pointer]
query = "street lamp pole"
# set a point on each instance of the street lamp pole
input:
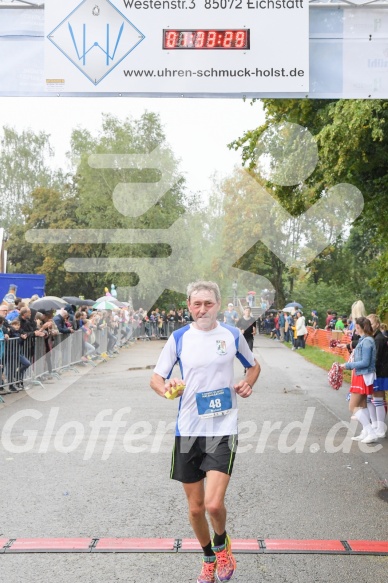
(234, 288)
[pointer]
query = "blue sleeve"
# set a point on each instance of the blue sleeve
(367, 350)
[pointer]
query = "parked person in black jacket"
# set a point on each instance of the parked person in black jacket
(60, 322)
(28, 329)
(376, 402)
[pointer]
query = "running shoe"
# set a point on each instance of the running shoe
(226, 563)
(208, 570)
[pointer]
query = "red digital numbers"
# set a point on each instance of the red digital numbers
(206, 39)
(200, 39)
(228, 39)
(241, 39)
(170, 39)
(211, 39)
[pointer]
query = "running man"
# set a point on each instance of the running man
(206, 429)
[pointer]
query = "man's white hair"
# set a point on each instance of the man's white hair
(195, 286)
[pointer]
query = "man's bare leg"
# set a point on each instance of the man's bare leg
(195, 494)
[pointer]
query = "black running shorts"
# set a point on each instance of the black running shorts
(192, 457)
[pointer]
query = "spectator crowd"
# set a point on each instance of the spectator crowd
(22, 328)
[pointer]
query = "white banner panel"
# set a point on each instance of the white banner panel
(167, 46)
(366, 50)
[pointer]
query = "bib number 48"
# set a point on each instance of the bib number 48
(215, 404)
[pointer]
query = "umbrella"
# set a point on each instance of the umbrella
(294, 305)
(105, 305)
(289, 309)
(88, 302)
(272, 311)
(110, 299)
(48, 303)
(252, 292)
(73, 300)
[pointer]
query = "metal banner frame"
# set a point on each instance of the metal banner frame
(348, 46)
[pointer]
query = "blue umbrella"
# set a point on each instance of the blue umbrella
(294, 305)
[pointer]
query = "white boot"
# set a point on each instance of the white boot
(360, 437)
(371, 435)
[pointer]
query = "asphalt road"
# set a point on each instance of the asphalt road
(68, 470)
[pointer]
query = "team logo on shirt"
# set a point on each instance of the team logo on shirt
(221, 347)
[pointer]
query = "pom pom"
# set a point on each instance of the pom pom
(336, 376)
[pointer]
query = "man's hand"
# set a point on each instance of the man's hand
(243, 389)
(171, 384)
(162, 386)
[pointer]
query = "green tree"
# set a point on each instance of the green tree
(95, 187)
(85, 207)
(23, 167)
(352, 141)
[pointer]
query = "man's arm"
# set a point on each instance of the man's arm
(244, 387)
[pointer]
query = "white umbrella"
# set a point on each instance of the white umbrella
(105, 305)
(289, 309)
(110, 299)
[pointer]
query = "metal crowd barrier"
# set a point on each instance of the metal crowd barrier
(101, 340)
(145, 330)
(37, 357)
(15, 359)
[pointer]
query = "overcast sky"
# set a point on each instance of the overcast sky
(198, 130)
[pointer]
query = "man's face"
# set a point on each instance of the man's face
(26, 315)
(3, 311)
(204, 309)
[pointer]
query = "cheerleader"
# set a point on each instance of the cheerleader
(363, 369)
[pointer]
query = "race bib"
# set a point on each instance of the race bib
(214, 403)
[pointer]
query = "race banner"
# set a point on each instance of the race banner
(170, 46)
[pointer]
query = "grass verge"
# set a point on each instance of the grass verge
(322, 359)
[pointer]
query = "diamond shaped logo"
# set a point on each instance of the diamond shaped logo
(96, 37)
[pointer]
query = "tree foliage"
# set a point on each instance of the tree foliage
(23, 167)
(352, 140)
(86, 203)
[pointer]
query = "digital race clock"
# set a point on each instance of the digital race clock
(206, 39)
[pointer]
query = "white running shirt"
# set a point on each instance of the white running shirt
(206, 363)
